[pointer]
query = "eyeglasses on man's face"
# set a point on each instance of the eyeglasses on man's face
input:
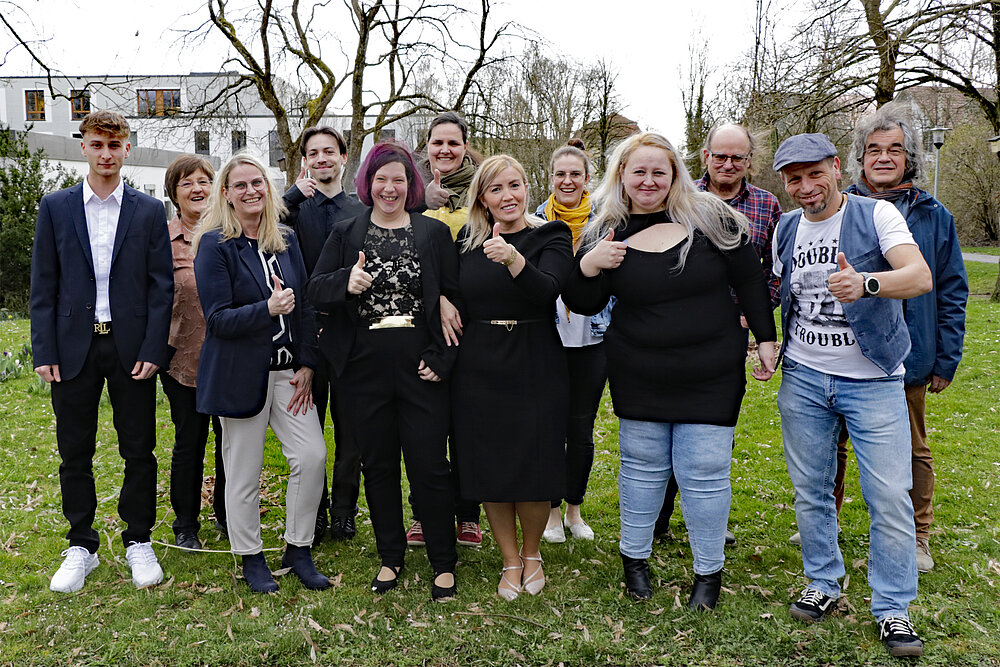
(737, 159)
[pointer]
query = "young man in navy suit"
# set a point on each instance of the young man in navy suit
(101, 295)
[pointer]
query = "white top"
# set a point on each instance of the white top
(573, 328)
(102, 224)
(819, 335)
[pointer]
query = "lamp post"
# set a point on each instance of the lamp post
(937, 137)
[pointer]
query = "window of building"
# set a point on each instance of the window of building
(133, 138)
(275, 154)
(239, 140)
(159, 101)
(80, 101)
(386, 133)
(201, 142)
(34, 105)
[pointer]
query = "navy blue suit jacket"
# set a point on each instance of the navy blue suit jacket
(236, 356)
(64, 286)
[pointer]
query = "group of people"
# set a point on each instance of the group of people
(445, 325)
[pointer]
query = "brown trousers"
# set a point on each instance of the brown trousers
(922, 492)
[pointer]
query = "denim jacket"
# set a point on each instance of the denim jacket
(878, 322)
(936, 320)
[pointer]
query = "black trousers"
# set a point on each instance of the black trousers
(187, 460)
(588, 373)
(387, 408)
(346, 484)
(465, 510)
(75, 403)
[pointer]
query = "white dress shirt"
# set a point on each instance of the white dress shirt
(102, 224)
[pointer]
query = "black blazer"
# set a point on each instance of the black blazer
(236, 356)
(327, 289)
(64, 285)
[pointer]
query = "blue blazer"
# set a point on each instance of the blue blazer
(236, 355)
(64, 286)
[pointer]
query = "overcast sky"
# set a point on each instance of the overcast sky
(646, 40)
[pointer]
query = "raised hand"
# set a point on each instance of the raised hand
(497, 249)
(281, 301)
(305, 184)
(435, 196)
(846, 285)
(607, 254)
(359, 280)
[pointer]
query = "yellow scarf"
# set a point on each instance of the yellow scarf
(576, 218)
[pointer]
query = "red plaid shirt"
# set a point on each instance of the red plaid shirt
(763, 211)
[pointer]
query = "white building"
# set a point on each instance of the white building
(167, 115)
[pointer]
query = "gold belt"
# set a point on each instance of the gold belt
(509, 324)
(392, 322)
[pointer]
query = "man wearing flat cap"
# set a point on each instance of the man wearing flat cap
(845, 263)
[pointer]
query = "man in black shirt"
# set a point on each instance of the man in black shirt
(315, 202)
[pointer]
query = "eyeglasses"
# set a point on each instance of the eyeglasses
(720, 159)
(241, 187)
(891, 151)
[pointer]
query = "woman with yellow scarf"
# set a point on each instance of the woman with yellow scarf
(451, 166)
(570, 171)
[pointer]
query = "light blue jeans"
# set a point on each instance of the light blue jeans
(811, 404)
(698, 455)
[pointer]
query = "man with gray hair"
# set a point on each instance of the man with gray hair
(886, 159)
(846, 262)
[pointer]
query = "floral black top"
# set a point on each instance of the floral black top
(391, 259)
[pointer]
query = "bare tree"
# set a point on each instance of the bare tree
(278, 51)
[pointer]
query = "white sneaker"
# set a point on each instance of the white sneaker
(554, 534)
(580, 531)
(146, 570)
(77, 564)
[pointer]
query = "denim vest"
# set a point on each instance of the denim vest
(876, 322)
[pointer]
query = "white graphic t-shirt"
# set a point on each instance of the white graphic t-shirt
(818, 333)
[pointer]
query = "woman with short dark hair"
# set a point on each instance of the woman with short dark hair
(380, 278)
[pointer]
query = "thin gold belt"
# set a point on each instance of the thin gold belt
(509, 324)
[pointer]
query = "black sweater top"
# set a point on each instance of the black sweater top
(676, 351)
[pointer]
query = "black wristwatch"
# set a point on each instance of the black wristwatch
(871, 284)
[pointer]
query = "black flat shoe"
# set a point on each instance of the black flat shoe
(379, 587)
(705, 593)
(637, 578)
(258, 575)
(299, 559)
(444, 592)
(187, 540)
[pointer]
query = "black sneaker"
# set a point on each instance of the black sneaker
(322, 523)
(343, 528)
(812, 605)
(899, 637)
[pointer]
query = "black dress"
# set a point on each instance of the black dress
(675, 347)
(509, 387)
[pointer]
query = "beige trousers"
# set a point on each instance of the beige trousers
(243, 453)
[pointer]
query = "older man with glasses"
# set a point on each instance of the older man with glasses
(727, 156)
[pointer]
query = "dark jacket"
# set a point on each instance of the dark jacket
(936, 320)
(327, 289)
(64, 288)
(236, 356)
(313, 219)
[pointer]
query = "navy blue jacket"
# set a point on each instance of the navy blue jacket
(313, 219)
(64, 285)
(936, 320)
(236, 356)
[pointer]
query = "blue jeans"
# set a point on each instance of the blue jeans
(698, 456)
(811, 405)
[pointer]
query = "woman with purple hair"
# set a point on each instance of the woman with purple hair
(379, 280)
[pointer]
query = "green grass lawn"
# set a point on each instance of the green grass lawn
(985, 250)
(203, 615)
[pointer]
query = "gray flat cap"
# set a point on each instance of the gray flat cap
(803, 148)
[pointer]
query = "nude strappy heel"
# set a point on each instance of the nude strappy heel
(536, 582)
(514, 589)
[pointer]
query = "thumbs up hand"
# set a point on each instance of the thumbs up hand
(281, 301)
(846, 285)
(305, 183)
(359, 280)
(497, 249)
(607, 254)
(435, 195)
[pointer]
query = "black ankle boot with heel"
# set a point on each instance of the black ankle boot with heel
(637, 578)
(705, 592)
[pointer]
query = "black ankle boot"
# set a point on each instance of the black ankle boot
(705, 593)
(299, 559)
(637, 578)
(258, 575)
